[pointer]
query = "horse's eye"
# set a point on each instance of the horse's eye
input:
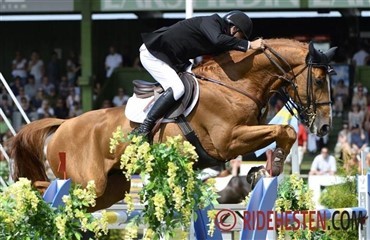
(319, 81)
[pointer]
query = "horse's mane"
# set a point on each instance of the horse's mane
(291, 49)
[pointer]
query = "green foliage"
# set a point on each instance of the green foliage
(341, 196)
(4, 170)
(171, 190)
(25, 215)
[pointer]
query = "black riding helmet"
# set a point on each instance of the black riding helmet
(241, 21)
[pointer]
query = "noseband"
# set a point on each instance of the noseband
(306, 112)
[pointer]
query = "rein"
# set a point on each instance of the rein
(258, 102)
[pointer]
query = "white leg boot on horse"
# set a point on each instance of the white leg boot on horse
(159, 109)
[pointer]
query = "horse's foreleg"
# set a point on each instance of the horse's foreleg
(117, 186)
(247, 139)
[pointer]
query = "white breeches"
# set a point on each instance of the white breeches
(162, 72)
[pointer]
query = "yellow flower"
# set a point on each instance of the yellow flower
(149, 234)
(115, 139)
(171, 173)
(189, 151)
(60, 223)
(176, 176)
(183, 235)
(131, 232)
(159, 201)
(177, 195)
(130, 202)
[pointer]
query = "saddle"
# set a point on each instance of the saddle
(145, 94)
(144, 89)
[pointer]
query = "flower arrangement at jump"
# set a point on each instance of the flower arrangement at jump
(294, 195)
(25, 215)
(171, 191)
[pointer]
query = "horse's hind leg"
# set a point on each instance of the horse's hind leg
(117, 186)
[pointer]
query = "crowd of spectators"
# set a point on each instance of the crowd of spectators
(42, 88)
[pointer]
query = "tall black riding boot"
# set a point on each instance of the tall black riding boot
(159, 109)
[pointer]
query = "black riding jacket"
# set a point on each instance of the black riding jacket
(191, 38)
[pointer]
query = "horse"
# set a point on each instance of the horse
(228, 119)
(234, 189)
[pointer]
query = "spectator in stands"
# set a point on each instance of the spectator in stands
(72, 66)
(302, 141)
(72, 98)
(38, 99)
(360, 85)
(53, 69)
(345, 130)
(46, 85)
(45, 111)
(6, 106)
(167, 51)
(323, 164)
(121, 98)
(352, 166)
(368, 162)
(36, 67)
(359, 139)
(52, 97)
(340, 94)
(16, 85)
(22, 94)
(367, 120)
(343, 147)
(97, 90)
(112, 61)
(63, 87)
(25, 104)
(30, 89)
(355, 116)
(60, 109)
(75, 110)
(360, 98)
(19, 67)
(106, 104)
(359, 57)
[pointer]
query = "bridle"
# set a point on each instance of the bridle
(306, 112)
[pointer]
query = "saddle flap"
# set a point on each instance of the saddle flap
(185, 100)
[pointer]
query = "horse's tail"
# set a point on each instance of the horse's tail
(26, 149)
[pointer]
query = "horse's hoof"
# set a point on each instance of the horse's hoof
(275, 162)
(255, 174)
(277, 165)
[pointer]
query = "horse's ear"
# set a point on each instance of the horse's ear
(314, 53)
(330, 53)
(319, 57)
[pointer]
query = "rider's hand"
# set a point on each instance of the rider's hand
(257, 44)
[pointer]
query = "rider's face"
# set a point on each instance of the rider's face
(235, 32)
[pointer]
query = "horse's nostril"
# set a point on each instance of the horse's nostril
(324, 130)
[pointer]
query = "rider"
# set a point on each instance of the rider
(166, 52)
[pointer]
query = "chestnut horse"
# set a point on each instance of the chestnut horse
(229, 118)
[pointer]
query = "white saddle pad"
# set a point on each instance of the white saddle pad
(137, 108)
